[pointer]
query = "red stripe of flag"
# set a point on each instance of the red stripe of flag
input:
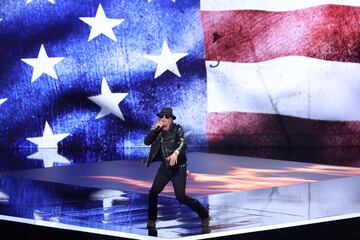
(258, 129)
(329, 32)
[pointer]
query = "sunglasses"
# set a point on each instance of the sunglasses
(162, 115)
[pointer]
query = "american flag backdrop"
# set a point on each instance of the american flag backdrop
(93, 73)
(287, 72)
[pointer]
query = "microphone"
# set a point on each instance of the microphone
(158, 128)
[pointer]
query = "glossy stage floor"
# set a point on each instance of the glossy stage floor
(108, 196)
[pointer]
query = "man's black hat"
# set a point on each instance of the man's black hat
(167, 111)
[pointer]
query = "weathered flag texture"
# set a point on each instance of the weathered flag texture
(93, 73)
(281, 73)
(54, 64)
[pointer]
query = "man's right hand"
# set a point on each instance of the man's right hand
(159, 124)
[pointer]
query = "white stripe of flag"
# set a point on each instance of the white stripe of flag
(269, 5)
(293, 86)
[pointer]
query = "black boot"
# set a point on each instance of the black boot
(205, 222)
(151, 224)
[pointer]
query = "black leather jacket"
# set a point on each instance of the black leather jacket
(166, 143)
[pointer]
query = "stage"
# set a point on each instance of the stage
(264, 93)
(243, 194)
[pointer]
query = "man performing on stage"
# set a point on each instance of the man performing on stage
(168, 146)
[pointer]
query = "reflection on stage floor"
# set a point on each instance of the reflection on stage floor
(243, 194)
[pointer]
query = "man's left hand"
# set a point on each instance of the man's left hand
(173, 159)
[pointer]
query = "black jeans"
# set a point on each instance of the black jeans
(178, 179)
